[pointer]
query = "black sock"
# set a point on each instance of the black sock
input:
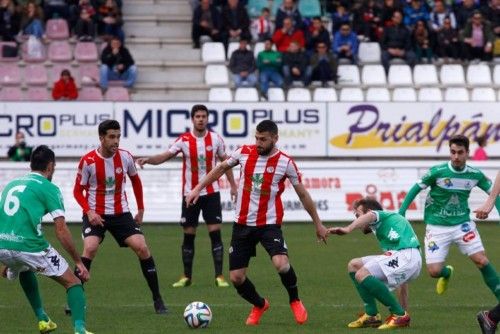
(87, 263)
(217, 251)
(188, 254)
(289, 280)
(149, 271)
(494, 313)
(247, 291)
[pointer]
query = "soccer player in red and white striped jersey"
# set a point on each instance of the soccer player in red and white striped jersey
(259, 213)
(100, 191)
(200, 148)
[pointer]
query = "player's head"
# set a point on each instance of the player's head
(459, 150)
(266, 136)
(109, 136)
(365, 205)
(199, 117)
(43, 160)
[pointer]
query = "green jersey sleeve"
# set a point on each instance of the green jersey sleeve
(54, 201)
(484, 183)
(428, 179)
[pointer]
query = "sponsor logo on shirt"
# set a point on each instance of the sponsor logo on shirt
(393, 235)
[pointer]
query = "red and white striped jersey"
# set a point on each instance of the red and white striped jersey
(198, 158)
(104, 181)
(262, 180)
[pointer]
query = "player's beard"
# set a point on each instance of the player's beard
(265, 150)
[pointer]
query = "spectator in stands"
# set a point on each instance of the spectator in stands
(19, 151)
(366, 21)
(396, 42)
(288, 9)
(480, 152)
(296, 65)
(439, 14)
(85, 29)
(285, 35)
(9, 20)
(316, 33)
(447, 41)
(117, 64)
(54, 9)
(324, 65)
(345, 44)
(269, 63)
(491, 13)
(415, 12)
(235, 22)
(110, 20)
(478, 38)
(65, 88)
(464, 12)
(339, 17)
(206, 22)
(242, 66)
(262, 27)
(421, 42)
(31, 24)
(76, 9)
(388, 9)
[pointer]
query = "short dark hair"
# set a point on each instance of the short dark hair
(368, 203)
(265, 9)
(460, 140)
(267, 126)
(41, 157)
(198, 107)
(109, 124)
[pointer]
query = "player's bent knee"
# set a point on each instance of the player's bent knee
(361, 274)
(480, 260)
(354, 265)
(237, 278)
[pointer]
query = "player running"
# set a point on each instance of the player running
(259, 215)
(375, 275)
(200, 150)
(447, 215)
(23, 247)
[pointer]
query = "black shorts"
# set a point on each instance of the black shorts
(120, 226)
(245, 239)
(210, 207)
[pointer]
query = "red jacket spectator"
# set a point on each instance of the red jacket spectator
(284, 36)
(65, 88)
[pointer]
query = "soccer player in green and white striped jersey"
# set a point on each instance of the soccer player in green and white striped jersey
(447, 215)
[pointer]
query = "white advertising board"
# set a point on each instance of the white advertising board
(409, 129)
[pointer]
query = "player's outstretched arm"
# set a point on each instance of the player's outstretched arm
(155, 159)
(359, 223)
(414, 191)
(210, 178)
(483, 211)
(310, 207)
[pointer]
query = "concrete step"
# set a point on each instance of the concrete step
(180, 76)
(170, 30)
(157, 19)
(146, 7)
(164, 52)
(171, 95)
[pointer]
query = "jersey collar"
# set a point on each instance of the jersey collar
(450, 166)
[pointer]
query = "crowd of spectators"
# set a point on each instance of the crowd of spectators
(414, 31)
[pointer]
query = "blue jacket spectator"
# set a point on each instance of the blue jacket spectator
(288, 9)
(415, 12)
(339, 17)
(31, 23)
(439, 14)
(345, 43)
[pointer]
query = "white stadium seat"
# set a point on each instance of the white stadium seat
(478, 75)
(400, 75)
(348, 75)
(496, 75)
(369, 52)
(452, 75)
(213, 52)
(430, 94)
(246, 94)
(373, 75)
(351, 95)
(378, 94)
(406, 94)
(456, 94)
(275, 94)
(220, 94)
(298, 95)
(231, 47)
(483, 94)
(216, 75)
(323, 94)
(425, 75)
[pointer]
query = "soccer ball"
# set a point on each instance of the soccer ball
(197, 315)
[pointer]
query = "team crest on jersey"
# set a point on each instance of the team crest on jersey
(209, 148)
(118, 170)
(270, 169)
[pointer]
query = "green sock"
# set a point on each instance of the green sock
(76, 302)
(490, 277)
(445, 272)
(378, 290)
(30, 287)
(370, 304)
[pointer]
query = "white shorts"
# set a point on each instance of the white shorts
(438, 239)
(394, 267)
(48, 262)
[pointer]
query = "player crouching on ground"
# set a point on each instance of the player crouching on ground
(375, 275)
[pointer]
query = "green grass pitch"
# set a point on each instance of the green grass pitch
(119, 301)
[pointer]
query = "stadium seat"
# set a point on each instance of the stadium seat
(310, 8)
(213, 52)
(406, 94)
(246, 94)
(425, 75)
(483, 94)
(11, 94)
(31, 58)
(90, 94)
(254, 7)
(456, 94)
(496, 75)
(378, 94)
(88, 74)
(452, 75)
(298, 95)
(37, 94)
(275, 94)
(322, 94)
(8, 59)
(348, 75)
(231, 47)
(351, 94)
(478, 75)
(10, 74)
(86, 52)
(35, 75)
(373, 75)
(430, 94)
(220, 95)
(57, 29)
(400, 75)
(369, 53)
(117, 94)
(60, 51)
(216, 75)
